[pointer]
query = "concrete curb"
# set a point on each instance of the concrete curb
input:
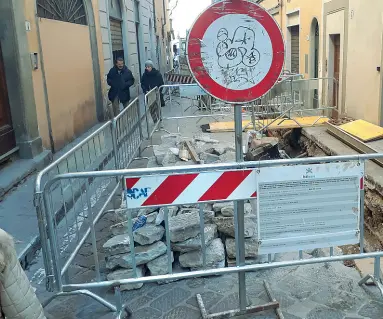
(21, 169)
(29, 252)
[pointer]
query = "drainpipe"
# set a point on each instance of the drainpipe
(280, 2)
(381, 85)
(164, 10)
(45, 88)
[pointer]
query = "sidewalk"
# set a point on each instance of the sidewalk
(17, 210)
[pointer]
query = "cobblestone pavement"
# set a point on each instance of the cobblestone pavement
(312, 292)
(323, 291)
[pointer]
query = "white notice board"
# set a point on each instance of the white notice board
(308, 206)
(191, 90)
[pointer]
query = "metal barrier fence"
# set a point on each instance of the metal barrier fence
(294, 98)
(290, 98)
(274, 189)
(152, 107)
(112, 146)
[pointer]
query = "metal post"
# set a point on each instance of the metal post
(39, 204)
(202, 227)
(361, 226)
(93, 232)
(114, 141)
(377, 269)
(301, 254)
(53, 242)
(240, 211)
(139, 120)
(168, 243)
(146, 114)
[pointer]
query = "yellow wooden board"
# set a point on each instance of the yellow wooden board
(275, 124)
(363, 130)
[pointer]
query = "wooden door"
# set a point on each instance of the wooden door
(117, 39)
(7, 137)
(294, 49)
(336, 41)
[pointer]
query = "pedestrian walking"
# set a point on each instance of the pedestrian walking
(17, 297)
(120, 79)
(150, 79)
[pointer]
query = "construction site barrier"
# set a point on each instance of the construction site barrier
(114, 145)
(178, 76)
(273, 188)
(152, 110)
(290, 99)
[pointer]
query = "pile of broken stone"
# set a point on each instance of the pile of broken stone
(208, 150)
(184, 229)
(185, 237)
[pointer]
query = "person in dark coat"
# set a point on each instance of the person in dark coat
(120, 79)
(152, 78)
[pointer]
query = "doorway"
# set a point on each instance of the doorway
(7, 135)
(336, 71)
(294, 49)
(117, 39)
(314, 60)
(336, 41)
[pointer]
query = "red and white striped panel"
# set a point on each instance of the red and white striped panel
(161, 190)
(178, 78)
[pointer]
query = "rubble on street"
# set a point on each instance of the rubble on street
(184, 222)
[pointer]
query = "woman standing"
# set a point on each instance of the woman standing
(152, 78)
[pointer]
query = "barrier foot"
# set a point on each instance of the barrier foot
(375, 281)
(236, 312)
(278, 311)
(82, 292)
(163, 130)
(123, 311)
(273, 304)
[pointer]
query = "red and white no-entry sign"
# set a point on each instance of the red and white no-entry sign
(236, 51)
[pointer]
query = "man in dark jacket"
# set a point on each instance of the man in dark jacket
(120, 79)
(152, 78)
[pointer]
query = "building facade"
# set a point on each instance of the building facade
(340, 40)
(352, 49)
(54, 58)
(128, 31)
(164, 35)
(300, 22)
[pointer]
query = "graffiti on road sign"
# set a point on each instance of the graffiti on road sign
(237, 55)
(136, 193)
(238, 50)
(235, 51)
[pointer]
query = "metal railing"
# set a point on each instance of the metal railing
(292, 97)
(61, 261)
(112, 146)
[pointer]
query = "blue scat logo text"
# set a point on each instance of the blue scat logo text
(137, 193)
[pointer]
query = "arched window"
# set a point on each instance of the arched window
(72, 11)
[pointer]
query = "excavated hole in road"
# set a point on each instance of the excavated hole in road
(296, 145)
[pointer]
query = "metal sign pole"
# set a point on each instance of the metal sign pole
(240, 212)
(257, 66)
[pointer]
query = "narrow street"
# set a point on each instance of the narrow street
(178, 159)
(314, 292)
